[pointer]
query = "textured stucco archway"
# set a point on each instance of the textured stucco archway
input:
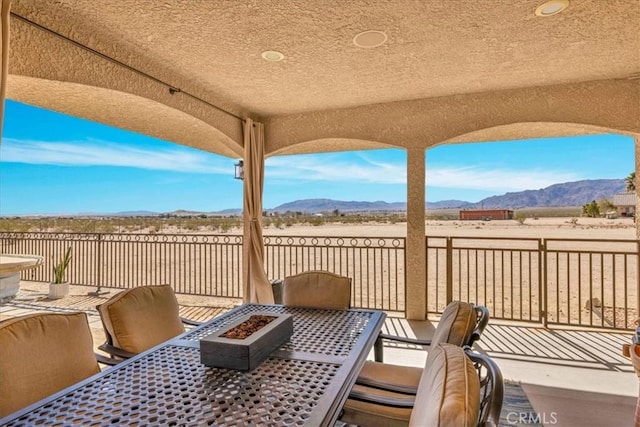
(124, 110)
(575, 109)
(416, 185)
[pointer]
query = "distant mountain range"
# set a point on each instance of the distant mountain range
(575, 193)
(328, 205)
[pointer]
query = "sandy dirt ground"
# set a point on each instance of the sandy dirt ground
(595, 228)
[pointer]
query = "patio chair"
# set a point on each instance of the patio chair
(317, 289)
(457, 388)
(461, 324)
(453, 327)
(41, 354)
(140, 318)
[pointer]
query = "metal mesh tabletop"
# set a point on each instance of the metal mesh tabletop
(315, 331)
(305, 382)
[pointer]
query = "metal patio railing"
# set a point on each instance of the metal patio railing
(192, 264)
(577, 282)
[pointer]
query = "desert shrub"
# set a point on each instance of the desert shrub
(591, 209)
(225, 226)
(521, 218)
(316, 220)
(15, 224)
(105, 227)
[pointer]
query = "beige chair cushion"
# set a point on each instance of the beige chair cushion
(455, 327)
(320, 289)
(41, 354)
(449, 391)
(367, 414)
(448, 395)
(387, 373)
(456, 324)
(141, 318)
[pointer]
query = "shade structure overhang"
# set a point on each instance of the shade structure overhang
(445, 66)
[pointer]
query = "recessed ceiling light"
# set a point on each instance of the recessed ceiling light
(369, 39)
(552, 7)
(272, 55)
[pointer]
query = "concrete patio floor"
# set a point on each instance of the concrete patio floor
(572, 377)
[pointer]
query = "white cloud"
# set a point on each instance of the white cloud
(103, 153)
(496, 179)
(335, 168)
(332, 168)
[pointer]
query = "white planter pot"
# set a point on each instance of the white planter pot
(9, 285)
(58, 290)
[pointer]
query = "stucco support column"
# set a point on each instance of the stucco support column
(637, 213)
(415, 253)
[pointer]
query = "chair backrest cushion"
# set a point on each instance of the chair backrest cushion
(449, 390)
(456, 324)
(141, 318)
(41, 354)
(320, 289)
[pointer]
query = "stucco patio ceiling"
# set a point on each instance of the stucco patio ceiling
(451, 61)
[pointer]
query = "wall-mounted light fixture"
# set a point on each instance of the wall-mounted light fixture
(239, 174)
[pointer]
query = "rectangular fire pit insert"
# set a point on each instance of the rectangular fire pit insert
(247, 353)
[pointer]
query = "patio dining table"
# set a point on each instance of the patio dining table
(304, 382)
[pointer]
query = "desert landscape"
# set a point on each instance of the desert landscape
(551, 227)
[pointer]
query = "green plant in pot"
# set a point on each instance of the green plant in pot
(59, 287)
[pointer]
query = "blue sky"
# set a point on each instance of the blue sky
(52, 163)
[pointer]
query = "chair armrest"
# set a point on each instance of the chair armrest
(190, 322)
(408, 340)
(115, 351)
(475, 336)
(383, 385)
(378, 346)
(107, 360)
(482, 315)
(396, 402)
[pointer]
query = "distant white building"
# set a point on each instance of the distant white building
(625, 203)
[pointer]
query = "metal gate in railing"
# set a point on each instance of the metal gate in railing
(503, 274)
(592, 282)
(577, 282)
